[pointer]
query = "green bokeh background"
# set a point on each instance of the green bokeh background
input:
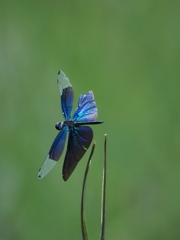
(128, 53)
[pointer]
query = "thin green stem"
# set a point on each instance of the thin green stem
(83, 221)
(103, 203)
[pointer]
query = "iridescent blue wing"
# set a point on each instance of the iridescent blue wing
(86, 110)
(54, 153)
(79, 141)
(66, 93)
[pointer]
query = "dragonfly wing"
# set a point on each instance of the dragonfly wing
(86, 110)
(66, 93)
(54, 153)
(79, 141)
(46, 166)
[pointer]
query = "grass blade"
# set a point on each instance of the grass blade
(103, 203)
(83, 221)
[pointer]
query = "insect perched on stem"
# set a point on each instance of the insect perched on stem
(80, 136)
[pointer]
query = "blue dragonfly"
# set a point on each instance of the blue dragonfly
(80, 136)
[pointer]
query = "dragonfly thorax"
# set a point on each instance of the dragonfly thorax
(60, 125)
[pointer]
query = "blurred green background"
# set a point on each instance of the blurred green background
(128, 53)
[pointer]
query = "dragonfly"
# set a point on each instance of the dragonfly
(80, 135)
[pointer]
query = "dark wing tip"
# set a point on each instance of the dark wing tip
(65, 178)
(39, 176)
(59, 72)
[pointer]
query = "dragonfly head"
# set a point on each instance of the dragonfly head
(59, 125)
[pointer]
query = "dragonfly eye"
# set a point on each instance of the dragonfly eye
(59, 125)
